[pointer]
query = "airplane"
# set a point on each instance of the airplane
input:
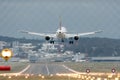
(61, 34)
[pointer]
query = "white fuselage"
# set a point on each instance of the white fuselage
(61, 33)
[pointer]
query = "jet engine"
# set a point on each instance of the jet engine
(76, 37)
(47, 38)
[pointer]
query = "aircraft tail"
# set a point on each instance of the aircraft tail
(60, 23)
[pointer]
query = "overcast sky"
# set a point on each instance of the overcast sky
(43, 16)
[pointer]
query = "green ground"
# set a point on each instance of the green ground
(94, 66)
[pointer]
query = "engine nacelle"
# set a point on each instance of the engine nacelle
(76, 37)
(47, 38)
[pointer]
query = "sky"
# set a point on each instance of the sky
(43, 16)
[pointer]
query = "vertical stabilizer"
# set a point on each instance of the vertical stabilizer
(60, 23)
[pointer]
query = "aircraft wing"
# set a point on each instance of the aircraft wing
(39, 34)
(83, 34)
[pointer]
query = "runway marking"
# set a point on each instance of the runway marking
(24, 69)
(70, 69)
(47, 69)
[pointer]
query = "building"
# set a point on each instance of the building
(99, 59)
(2, 44)
(79, 57)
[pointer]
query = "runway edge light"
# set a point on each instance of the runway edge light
(6, 54)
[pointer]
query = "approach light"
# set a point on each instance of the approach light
(6, 54)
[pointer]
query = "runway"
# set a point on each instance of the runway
(46, 69)
(58, 70)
